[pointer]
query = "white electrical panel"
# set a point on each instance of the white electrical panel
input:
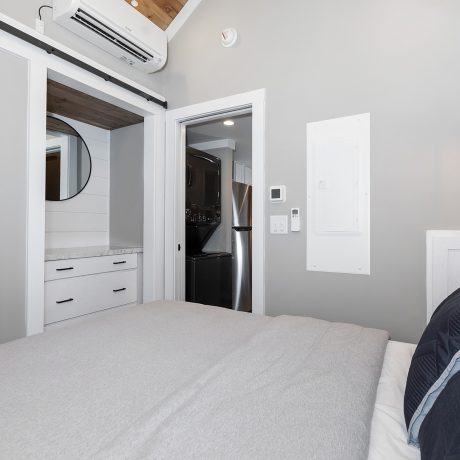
(338, 195)
(336, 185)
(278, 225)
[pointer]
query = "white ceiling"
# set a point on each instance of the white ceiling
(241, 133)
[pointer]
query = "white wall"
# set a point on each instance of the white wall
(127, 186)
(14, 95)
(84, 219)
(242, 173)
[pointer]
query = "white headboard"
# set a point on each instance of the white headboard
(442, 266)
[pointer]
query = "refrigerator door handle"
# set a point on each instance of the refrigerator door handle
(242, 229)
(242, 270)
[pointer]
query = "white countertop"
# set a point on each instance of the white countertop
(90, 251)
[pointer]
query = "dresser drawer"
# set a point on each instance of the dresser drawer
(60, 269)
(69, 298)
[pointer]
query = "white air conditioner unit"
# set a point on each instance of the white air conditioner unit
(117, 28)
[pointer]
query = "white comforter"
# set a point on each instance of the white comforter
(176, 380)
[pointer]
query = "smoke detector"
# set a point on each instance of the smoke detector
(229, 37)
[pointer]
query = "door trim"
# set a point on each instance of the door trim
(176, 122)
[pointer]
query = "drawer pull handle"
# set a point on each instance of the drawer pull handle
(64, 269)
(119, 263)
(64, 301)
(119, 290)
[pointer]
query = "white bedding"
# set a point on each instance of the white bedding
(173, 380)
(388, 431)
(77, 391)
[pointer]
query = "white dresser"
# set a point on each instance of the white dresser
(80, 286)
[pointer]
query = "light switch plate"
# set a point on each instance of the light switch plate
(278, 225)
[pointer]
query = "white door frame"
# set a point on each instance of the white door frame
(42, 65)
(176, 122)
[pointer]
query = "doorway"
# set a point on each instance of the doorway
(218, 212)
(198, 118)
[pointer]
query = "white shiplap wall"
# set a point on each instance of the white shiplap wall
(84, 220)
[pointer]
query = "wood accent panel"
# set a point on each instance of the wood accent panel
(69, 102)
(160, 12)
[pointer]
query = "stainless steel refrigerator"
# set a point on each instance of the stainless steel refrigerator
(242, 247)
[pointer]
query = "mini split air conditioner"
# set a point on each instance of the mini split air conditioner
(117, 28)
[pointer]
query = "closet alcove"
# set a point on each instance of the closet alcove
(93, 230)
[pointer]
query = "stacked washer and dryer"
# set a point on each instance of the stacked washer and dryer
(216, 278)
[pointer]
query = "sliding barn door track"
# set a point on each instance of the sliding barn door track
(89, 68)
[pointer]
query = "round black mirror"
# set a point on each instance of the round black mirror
(68, 162)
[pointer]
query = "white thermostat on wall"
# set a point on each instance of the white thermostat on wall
(278, 193)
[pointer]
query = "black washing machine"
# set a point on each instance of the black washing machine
(209, 279)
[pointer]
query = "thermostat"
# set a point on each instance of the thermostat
(278, 193)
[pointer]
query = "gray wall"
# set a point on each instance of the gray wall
(127, 186)
(320, 59)
(13, 195)
(27, 12)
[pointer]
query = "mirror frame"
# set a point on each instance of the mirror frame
(89, 155)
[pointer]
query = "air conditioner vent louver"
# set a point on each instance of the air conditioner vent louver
(90, 22)
(117, 28)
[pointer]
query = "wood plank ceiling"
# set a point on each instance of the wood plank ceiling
(160, 12)
(68, 102)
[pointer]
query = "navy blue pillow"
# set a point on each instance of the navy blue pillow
(440, 431)
(436, 360)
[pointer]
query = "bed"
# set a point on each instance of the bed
(177, 380)
(388, 438)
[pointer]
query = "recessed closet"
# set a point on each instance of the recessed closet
(94, 205)
(86, 233)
